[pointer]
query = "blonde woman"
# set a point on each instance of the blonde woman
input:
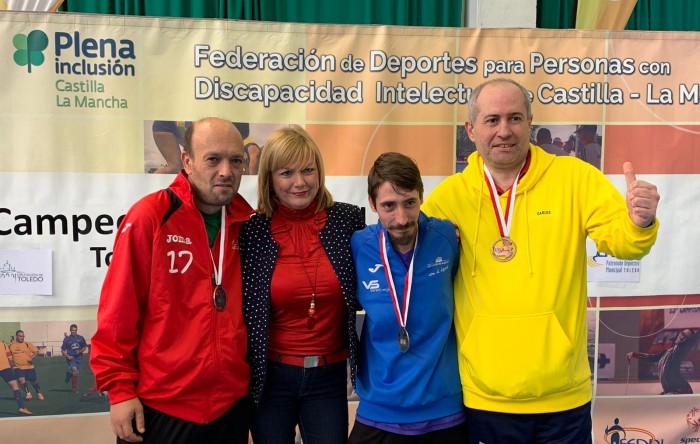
(299, 296)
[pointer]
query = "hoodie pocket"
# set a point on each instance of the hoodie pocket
(518, 357)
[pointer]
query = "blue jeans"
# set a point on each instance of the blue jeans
(315, 398)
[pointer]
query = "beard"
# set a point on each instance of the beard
(214, 197)
(403, 235)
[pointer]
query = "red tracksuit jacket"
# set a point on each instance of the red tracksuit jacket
(159, 336)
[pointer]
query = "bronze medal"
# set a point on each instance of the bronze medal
(404, 340)
(503, 249)
(219, 298)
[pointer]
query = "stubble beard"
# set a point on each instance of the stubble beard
(406, 238)
(217, 199)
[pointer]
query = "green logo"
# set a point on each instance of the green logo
(29, 48)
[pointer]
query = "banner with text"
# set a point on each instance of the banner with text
(95, 108)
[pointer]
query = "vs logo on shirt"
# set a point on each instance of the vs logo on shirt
(371, 285)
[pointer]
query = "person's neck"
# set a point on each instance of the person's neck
(300, 214)
(206, 208)
(403, 249)
(504, 178)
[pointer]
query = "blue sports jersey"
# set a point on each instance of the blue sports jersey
(74, 345)
(423, 383)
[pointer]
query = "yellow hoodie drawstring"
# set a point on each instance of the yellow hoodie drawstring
(476, 229)
(527, 235)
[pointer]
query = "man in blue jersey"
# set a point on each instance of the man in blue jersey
(72, 349)
(407, 376)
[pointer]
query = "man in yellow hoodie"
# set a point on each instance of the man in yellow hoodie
(523, 217)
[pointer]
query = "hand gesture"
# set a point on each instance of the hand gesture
(121, 416)
(642, 198)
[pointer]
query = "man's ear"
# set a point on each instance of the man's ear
(186, 162)
(470, 130)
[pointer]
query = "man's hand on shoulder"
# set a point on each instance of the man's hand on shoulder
(121, 416)
(457, 231)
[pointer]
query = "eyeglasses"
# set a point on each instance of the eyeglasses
(219, 298)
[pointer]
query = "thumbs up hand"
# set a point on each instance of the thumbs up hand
(642, 198)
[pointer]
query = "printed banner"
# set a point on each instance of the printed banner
(604, 268)
(95, 107)
(25, 272)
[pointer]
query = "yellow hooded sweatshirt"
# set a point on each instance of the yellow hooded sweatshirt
(521, 324)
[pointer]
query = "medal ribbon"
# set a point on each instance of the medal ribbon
(504, 222)
(218, 272)
(408, 281)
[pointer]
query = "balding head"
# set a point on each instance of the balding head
(214, 161)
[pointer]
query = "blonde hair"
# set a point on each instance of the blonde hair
(285, 147)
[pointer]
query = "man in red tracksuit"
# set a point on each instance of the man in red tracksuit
(170, 346)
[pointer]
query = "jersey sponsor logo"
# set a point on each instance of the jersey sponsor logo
(439, 262)
(439, 265)
(376, 268)
(174, 238)
(371, 285)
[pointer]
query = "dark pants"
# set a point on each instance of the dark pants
(364, 434)
(314, 398)
(231, 428)
(567, 427)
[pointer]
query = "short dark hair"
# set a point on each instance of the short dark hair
(544, 133)
(18, 332)
(398, 169)
(73, 325)
(587, 128)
